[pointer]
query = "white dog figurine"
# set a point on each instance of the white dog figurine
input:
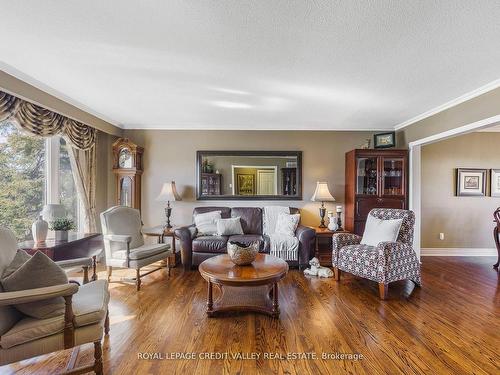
(317, 270)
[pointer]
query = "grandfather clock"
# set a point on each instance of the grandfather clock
(127, 166)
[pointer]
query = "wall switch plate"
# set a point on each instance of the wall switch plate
(441, 236)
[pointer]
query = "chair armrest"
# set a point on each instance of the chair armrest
(37, 294)
(398, 261)
(389, 248)
(339, 240)
(118, 238)
(77, 262)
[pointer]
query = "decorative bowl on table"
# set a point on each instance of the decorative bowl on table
(242, 254)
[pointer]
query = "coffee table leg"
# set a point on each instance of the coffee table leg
(276, 310)
(210, 303)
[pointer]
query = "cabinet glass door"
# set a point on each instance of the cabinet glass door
(393, 176)
(366, 176)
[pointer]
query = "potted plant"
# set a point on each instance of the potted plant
(61, 226)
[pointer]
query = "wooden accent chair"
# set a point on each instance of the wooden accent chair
(385, 263)
(496, 234)
(124, 244)
(84, 320)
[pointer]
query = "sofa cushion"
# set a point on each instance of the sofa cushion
(206, 223)
(144, 251)
(229, 227)
(90, 305)
(247, 239)
(287, 224)
(210, 244)
(250, 217)
(37, 272)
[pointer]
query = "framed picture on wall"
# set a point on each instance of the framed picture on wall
(246, 184)
(384, 140)
(495, 183)
(471, 182)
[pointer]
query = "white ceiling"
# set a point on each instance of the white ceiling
(278, 64)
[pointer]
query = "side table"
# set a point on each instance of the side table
(161, 232)
(323, 248)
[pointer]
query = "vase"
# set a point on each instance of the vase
(61, 235)
(39, 229)
(332, 225)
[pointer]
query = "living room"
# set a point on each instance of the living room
(249, 188)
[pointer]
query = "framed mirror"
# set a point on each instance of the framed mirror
(249, 175)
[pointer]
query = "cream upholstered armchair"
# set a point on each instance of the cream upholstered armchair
(384, 263)
(84, 320)
(124, 243)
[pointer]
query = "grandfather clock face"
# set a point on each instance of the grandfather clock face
(125, 158)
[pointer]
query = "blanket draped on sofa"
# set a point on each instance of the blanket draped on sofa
(281, 245)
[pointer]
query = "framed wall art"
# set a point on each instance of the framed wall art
(495, 183)
(471, 182)
(384, 140)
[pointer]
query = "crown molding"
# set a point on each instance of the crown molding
(452, 103)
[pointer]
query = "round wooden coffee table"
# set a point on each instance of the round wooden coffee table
(244, 288)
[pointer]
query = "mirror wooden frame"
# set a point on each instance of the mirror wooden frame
(201, 154)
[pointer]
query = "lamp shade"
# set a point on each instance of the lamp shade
(168, 193)
(322, 194)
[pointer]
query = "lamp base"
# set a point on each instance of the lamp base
(322, 212)
(168, 213)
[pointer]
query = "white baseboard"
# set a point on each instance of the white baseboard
(458, 252)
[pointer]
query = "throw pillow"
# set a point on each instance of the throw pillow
(38, 271)
(228, 227)
(377, 230)
(287, 224)
(206, 224)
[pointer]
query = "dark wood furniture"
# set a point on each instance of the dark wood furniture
(161, 232)
(374, 179)
(127, 167)
(496, 233)
(288, 181)
(78, 245)
(323, 245)
(244, 288)
(211, 184)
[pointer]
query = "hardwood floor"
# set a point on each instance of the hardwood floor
(449, 326)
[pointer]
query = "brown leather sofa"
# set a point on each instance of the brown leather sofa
(195, 249)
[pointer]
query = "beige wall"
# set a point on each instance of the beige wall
(481, 107)
(170, 155)
(467, 222)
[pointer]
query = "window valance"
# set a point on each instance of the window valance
(46, 123)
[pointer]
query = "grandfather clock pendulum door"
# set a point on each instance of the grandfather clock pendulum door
(127, 166)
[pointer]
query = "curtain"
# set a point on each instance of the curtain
(83, 138)
(83, 166)
(46, 123)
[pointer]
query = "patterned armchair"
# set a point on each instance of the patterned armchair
(385, 263)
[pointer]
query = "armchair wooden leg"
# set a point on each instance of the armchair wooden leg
(109, 269)
(85, 274)
(383, 290)
(138, 280)
(97, 358)
(336, 273)
(106, 323)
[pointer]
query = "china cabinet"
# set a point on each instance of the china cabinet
(374, 179)
(127, 167)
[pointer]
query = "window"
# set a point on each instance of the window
(33, 171)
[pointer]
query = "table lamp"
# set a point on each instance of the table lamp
(322, 194)
(168, 193)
